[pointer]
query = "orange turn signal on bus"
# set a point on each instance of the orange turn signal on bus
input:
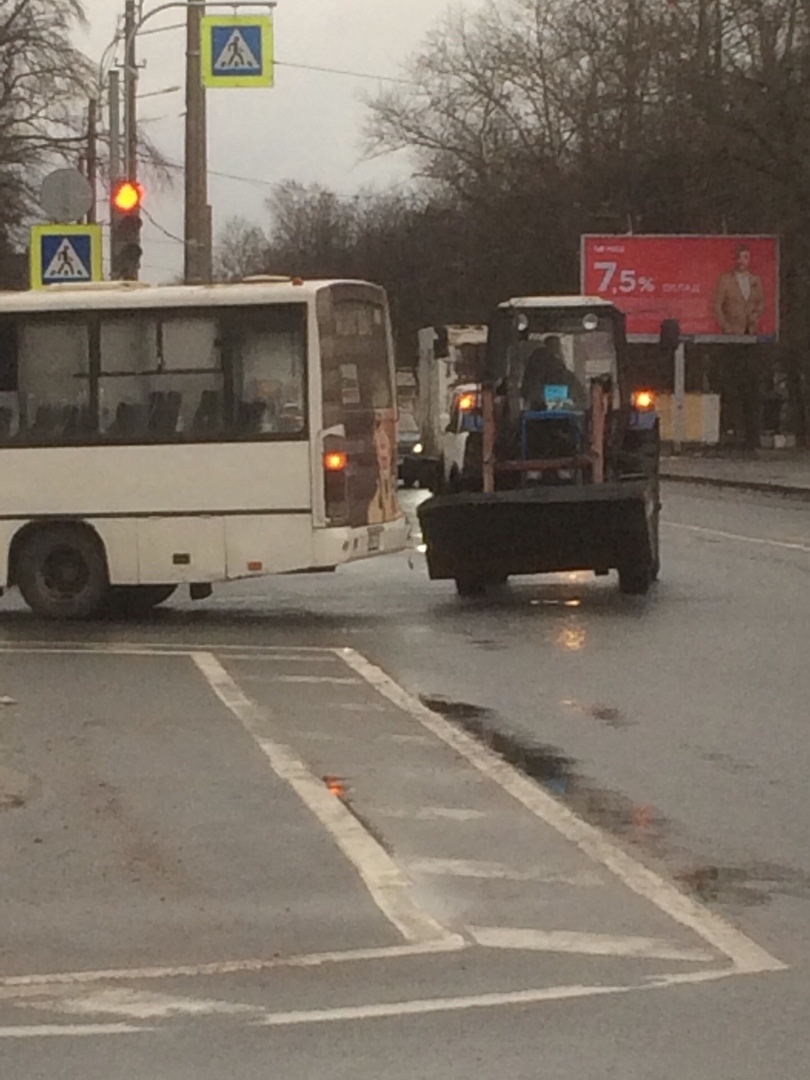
(335, 461)
(466, 402)
(644, 399)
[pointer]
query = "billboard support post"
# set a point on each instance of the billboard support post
(679, 414)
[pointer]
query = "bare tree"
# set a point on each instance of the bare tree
(242, 249)
(44, 83)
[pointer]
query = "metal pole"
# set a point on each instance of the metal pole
(679, 417)
(115, 126)
(92, 158)
(131, 91)
(116, 269)
(197, 259)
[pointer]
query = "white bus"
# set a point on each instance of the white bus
(151, 437)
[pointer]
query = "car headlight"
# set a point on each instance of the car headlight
(418, 448)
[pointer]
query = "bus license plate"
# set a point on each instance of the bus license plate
(374, 539)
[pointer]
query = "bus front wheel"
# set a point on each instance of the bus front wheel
(61, 570)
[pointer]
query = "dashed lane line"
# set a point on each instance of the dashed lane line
(719, 534)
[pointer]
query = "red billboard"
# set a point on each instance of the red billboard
(715, 286)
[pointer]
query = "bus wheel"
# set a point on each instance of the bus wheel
(62, 572)
(124, 600)
(470, 586)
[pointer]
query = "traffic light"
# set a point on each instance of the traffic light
(125, 230)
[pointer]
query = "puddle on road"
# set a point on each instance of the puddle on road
(558, 773)
(608, 714)
(637, 824)
(751, 886)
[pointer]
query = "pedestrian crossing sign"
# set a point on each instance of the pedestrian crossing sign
(237, 51)
(65, 254)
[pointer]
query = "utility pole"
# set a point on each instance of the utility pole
(116, 268)
(115, 126)
(131, 91)
(198, 213)
(125, 223)
(92, 158)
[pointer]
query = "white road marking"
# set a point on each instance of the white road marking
(138, 1005)
(304, 653)
(12, 985)
(334, 680)
(398, 1009)
(360, 706)
(112, 650)
(276, 658)
(761, 541)
(565, 941)
(473, 868)
(432, 813)
(746, 955)
(388, 886)
(54, 1031)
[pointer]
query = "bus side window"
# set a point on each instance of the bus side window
(53, 356)
(266, 349)
(9, 388)
(192, 370)
(161, 377)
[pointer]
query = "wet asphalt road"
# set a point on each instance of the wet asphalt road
(677, 723)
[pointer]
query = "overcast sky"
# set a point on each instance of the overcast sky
(307, 128)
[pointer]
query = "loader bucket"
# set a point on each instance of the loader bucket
(538, 530)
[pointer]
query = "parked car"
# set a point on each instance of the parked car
(412, 467)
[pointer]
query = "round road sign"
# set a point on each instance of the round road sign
(66, 195)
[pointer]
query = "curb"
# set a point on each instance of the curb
(760, 486)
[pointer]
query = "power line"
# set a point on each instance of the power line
(348, 74)
(175, 239)
(177, 166)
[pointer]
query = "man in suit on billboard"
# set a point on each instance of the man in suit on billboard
(739, 299)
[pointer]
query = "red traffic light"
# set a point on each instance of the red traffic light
(127, 196)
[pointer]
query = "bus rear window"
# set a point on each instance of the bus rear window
(356, 368)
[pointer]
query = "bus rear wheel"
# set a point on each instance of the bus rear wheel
(62, 572)
(128, 600)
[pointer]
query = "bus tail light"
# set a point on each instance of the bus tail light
(335, 461)
(335, 481)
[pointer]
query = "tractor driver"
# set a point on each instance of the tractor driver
(546, 367)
